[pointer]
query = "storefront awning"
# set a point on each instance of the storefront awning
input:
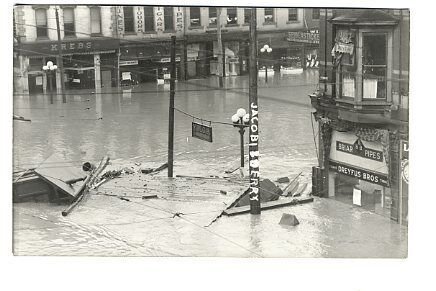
(365, 17)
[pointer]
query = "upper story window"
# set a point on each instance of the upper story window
(247, 15)
(41, 22)
(374, 65)
(315, 13)
(269, 15)
(212, 15)
(128, 19)
(194, 16)
(292, 14)
(95, 20)
(149, 18)
(69, 29)
(169, 18)
(232, 17)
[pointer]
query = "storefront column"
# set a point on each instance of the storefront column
(331, 184)
(97, 73)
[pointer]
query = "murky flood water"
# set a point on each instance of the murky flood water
(132, 126)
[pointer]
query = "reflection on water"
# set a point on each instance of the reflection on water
(133, 124)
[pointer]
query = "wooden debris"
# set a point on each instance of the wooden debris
(268, 205)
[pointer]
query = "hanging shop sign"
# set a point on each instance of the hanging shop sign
(359, 149)
(300, 36)
(128, 63)
(346, 48)
(362, 174)
(167, 60)
(202, 131)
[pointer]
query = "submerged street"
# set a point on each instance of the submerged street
(131, 127)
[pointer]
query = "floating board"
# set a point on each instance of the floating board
(56, 171)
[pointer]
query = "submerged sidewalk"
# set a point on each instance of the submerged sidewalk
(118, 219)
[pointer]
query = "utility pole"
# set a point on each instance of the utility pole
(60, 60)
(253, 145)
(220, 47)
(171, 108)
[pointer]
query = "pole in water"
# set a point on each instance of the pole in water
(60, 60)
(171, 108)
(253, 154)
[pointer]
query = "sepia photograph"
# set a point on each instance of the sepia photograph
(205, 130)
(210, 131)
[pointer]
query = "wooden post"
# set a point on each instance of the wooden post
(60, 60)
(253, 155)
(171, 108)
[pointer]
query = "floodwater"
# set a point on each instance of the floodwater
(132, 126)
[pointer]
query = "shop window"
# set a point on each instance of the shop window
(128, 19)
(149, 18)
(212, 15)
(232, 16)
(41, 23)
(374, 66)
(194, 16)
(95, 20)
(344, 56)
(247, 15)
(292, 14)
(315, 13)
(169, 18)
(69, 29)
(269, 15)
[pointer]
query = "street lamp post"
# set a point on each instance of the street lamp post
(241, 120)
(266, 49)
(49, 69)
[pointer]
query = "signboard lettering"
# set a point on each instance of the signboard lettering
(253, 155)
(128, 63)
(159, 19)
(120, 20)
(306, 37)
(139, 20)
(73, 46)
(201, 131)
(179, 19)
(366, 175)
(359, 150)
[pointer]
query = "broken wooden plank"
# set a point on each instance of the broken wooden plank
(86, 185)
(57, 172)
(268, 205)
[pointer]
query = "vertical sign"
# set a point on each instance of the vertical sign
(120, 20)
(159, 16)
(253, 146)
(179, 19)
(139, 19)
(404, 181)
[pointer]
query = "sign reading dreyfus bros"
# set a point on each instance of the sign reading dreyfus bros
(365, 175)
